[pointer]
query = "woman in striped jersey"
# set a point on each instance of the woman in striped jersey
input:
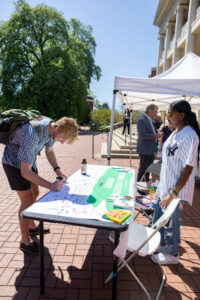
(177, 178)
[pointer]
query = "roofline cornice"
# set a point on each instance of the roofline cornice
(163, 9)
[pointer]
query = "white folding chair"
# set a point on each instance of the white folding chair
(143, 240)
(144, 186)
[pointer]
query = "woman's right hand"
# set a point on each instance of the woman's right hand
(57, 185)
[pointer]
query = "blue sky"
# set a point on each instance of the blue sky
(126, 38)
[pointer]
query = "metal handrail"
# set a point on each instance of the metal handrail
(105, 130)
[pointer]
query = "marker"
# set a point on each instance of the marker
(59, 178)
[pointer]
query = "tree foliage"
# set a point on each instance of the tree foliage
(46, 62)
(102, 117)
(135, 115)
(106, 105)
(97, 104)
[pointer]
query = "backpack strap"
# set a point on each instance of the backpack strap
(37, 128)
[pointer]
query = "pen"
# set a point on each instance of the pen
(60, 178)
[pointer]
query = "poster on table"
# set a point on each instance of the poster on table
(88, 196)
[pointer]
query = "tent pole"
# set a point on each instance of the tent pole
(130, 137)
(111, 126)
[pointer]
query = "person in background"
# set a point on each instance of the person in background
(147, 138)
(19, 163)
(177, 177)
(126, 121)
(157, 122)
(167, 130)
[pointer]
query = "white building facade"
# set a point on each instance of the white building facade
(179, 31)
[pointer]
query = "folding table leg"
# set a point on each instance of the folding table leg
(42, 288)
(115, 266)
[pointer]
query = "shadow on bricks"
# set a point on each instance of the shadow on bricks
(190, 214)
(27, 282)
(82, 280)
(189, 268)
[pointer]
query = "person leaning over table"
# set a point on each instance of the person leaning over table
(177, 177)
(19, 163)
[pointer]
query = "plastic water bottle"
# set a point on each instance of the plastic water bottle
(84, 167)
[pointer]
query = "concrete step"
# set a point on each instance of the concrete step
(121, 144)
(104, 150)
(125, 140)
(124, 151)
(116, 154)
(134, 132)
(127, 136)
(116, 148)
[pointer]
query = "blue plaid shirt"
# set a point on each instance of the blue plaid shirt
(29, 144)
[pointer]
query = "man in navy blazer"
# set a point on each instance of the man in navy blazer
(147, 138)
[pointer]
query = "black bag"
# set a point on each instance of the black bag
(10, 119)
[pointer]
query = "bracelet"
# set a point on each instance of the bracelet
(173, 193)
(56, 168)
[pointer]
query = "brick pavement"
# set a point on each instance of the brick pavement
(77, 259)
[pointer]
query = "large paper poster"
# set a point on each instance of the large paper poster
(88, 196)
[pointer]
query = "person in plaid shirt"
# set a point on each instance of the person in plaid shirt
(19, 163)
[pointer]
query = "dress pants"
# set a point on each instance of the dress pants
(128, 128)
(145, 161)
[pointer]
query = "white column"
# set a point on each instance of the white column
(178, 26)
(160, 51)
(167, 45)
(193, 4)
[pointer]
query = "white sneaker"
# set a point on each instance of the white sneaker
(165, 259)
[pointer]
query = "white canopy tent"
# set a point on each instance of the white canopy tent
(181, 80)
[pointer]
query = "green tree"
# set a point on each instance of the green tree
(97, 104)
(118, 117)
(47, 63)
(105, 105)
(102, 117)
(135, 115)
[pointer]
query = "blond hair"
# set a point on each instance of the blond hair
(69, 128)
